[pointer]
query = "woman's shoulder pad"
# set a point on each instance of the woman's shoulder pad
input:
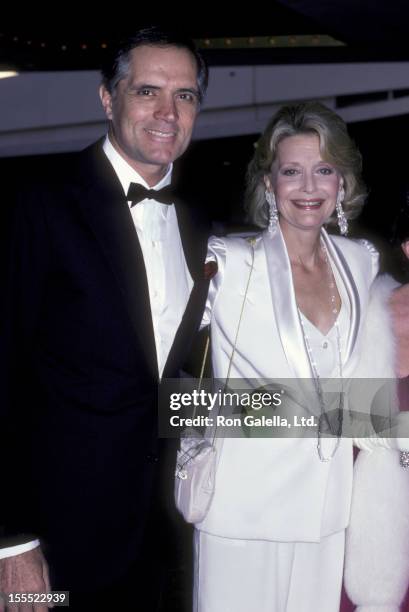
(369, 246)
(359, 244)
(240, 238)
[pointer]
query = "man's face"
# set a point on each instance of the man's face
(153, 110)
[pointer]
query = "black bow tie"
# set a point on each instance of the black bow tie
(137, 193)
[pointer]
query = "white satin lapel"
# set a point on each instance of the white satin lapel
(351, 289)
(285, 305)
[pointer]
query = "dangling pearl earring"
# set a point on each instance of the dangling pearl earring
(273, 212)
(342, 220)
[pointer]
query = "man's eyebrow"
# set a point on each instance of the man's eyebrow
(191, 90)
(136, 86)
(139, 86)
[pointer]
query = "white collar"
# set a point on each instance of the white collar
(126, 174)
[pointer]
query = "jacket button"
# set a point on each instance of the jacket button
(152, 458)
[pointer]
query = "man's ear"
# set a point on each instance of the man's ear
(106, 100)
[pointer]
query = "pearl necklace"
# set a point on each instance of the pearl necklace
(316, 376)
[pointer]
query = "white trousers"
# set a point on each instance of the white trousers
(261, 576)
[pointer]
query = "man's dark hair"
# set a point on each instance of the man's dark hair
(116, 67)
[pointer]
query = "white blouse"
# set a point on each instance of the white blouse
(325, 346)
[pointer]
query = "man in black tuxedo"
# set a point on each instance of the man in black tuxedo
(104, 293)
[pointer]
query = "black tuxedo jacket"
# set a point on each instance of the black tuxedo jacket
(79, 370)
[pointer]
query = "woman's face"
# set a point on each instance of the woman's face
(305, 186)
(405, 247)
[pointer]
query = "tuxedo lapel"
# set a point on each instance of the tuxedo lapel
(187, 329)
(105, 209)
(194, 248)
(194, 245)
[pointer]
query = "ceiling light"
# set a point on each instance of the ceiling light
(6, 74)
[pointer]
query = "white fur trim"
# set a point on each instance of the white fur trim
(376, 362)
(378, 347)
(377, 543)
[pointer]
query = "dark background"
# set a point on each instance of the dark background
(213, 171)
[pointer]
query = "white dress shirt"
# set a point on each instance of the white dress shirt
(169, 280)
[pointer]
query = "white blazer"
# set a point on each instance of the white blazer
(278, 489)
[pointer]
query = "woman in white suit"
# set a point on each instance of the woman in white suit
(273, 538)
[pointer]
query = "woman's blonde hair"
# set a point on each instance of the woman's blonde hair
(336, 146)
